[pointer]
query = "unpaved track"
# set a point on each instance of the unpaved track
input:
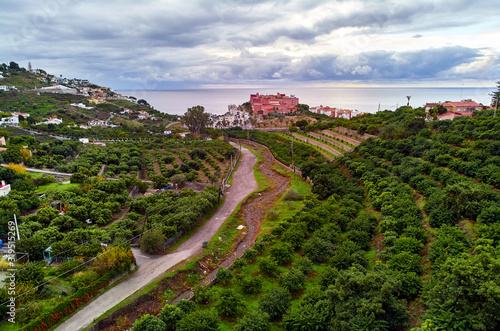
(320, 145)
(255, 211)
(151, 267)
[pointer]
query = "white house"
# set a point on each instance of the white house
(2, 141)
(14, 120)
(81, 105)
(84, 140)
(4, 189)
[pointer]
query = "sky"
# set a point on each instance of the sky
(190, 44)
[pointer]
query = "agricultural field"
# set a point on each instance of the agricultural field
(401, 233)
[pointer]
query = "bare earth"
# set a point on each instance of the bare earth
(152, 267)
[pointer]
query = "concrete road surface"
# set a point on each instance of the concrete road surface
(152, 267)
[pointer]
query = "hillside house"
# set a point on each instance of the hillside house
(4, 189)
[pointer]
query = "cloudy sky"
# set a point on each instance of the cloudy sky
(172, 44)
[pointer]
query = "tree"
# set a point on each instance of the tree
(202, 294)
(465, 292)
(229, 302)
(196, 119)
(282, 252)
(253, 321)
(223, 275)
(31, 272)
(13, 66)
(292, 279)
(201, 320)
(275, 302)
(495, 95)
(170, 315)
(152, 241)
(269, 266)
(179, 180)
(149, 323)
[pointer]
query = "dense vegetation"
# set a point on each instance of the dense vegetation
(403, 233)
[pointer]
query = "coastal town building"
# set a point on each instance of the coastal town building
(234, 117)
(143, 115)
(273, 103)
(2, 141)
(454, 109)
(58, 89)
(334, 112)
(7, 88)
(4, 189)
(81, 105)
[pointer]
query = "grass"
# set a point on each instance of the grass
(55, 187)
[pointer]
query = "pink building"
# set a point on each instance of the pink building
(279, 103)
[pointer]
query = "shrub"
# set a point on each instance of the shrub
(272, 215)
(292, 195)
(149, 323)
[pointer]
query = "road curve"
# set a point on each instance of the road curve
(152, 267)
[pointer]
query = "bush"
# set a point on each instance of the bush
(149, 323)
(272, 215)
(152, 241)
(292, 195)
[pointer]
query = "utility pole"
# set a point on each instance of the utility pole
(496, 107)
(293, 166)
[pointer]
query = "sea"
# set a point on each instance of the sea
(362, 99)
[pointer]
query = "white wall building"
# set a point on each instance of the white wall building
(4, 189)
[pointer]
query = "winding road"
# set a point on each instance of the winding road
(152, 267)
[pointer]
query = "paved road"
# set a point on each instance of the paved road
(50, 172)
(151, 267)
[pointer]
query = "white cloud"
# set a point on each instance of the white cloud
(199, 42)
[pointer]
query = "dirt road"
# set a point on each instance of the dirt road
(151, 267)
